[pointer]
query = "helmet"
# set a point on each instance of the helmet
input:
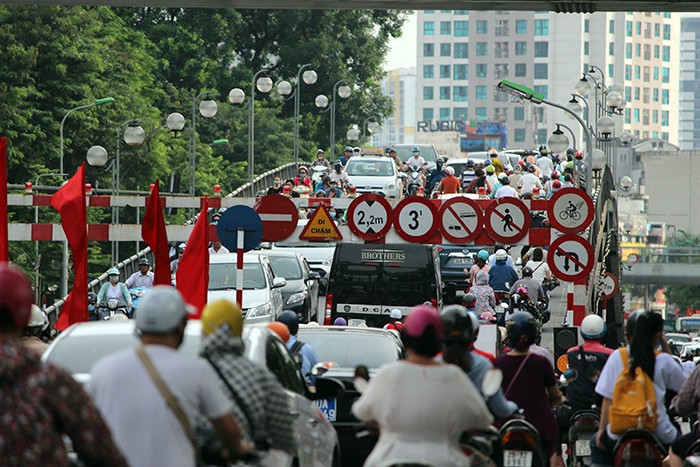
(475, 323)
(415, 149)
(181, 247)
(570, 165)
(340, 321)
(92, 297)
(503, 178)
(319, 151)
(161, 310)
(303, 167)
(281, 329)
(521, 328)
(347, 149)
(36, 318)
(439, 163)
(450, 171)
(488, 317)
(579, 155)
(16, 296)
(592, 327)
(501, 254)
(483, 254)
(395, 314)
(632, 322)
(470, 164)
(291, 319)
(570, 151)
(419, 319)
(144, 261)
(456, 324)
(543, 149)
(522, 290)
(487, 162)
(490, 169)
(119, 317)
(220, 312)
(356, 149)
(113, 272)
(469, 299)
(527, 272)
(338, 164)
(555, 174)
(556, 184)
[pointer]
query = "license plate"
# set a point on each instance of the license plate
(461, 261)
(356, 322)
(327, 408)
(583, 448)
(517, 458)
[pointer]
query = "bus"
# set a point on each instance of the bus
(658, 233)
(689, 324)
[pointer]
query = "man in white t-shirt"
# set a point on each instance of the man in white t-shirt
(217, 248)
(545, 165)
(144, 427)
(142, 278)
(505, 190)
(528, 181)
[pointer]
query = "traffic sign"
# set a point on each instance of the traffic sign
(461, 220)
(415, 219)
(238, 218)
(369, 216)
(570, 258)
(320, 227)
(279, 217)
(570, 210)
(608, 285)
(507, 220)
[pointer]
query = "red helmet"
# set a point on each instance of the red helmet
(16, 296)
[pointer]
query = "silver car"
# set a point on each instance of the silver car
(374, 174)
(77, 349)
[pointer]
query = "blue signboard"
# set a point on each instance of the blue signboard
(238, 218)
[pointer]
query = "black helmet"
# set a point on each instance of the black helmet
(291, 319)
(438, 163)
(521, 329)
(470, 164)
(92, 297)
(457, 325)
(469, 299)
(527, 272)
(543, 149)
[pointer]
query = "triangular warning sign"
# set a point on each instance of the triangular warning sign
(320, 227)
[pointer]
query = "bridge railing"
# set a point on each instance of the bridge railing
(669, 254)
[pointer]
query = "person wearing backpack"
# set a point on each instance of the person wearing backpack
(303, 352)
(633, 385)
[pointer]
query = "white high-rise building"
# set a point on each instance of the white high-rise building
(462, 55)
(690, 84)
(400, 127)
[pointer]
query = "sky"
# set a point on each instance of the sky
(402, 51)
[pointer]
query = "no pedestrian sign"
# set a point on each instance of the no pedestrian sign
(570, 210)
(507, 220)
(570, 258)
(369, 217)
(461, 220)
(415, 219)
(321, 227)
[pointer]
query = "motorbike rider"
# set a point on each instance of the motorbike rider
(501, 252)
(496, 162)
(534, 288)
(114, 289)
(302, 177)
(297, 347)
(468, 174)
(33, 330)
(339, 175)
(480, 264)
(321, 160)
(92, 306)
(484, 293)
(142, 278)
(347, 154)
(449, 184)
(501, 275)
(416, 161)
(395, 317)
(469, 302)
(459, 335)
(436, 175)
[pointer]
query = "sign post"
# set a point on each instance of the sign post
(570, 258)
(570, 210)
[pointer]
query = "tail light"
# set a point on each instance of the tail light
(638, 452)
(588, 424)
(329, 308)
(434, 302)
(518, 437)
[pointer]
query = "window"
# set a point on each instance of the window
(645, 99)
(480, 93)
(656, 73)
(666, 53)
(429, 11)
(667, 15)
(628, 50)
(628, 94)
(628, 72)
(542, 89)
(664, 96)
(655, 116)
(664, 74)
(444, 113)
(460, 71)
(541, 71)
(664, 135)
(460, 113)
(657, 30)
(500, 50)
(461, 12)
(656, 51)
(461, 50)
(482, 49)
(428, 92)
(445, 71)
(500, 71)
(611, 26)
(636, 93)
(637, 50)
(521, 26)
(519, 135)
(520, 48)
(586, 47)
(637, 72)
(664, 118)
(501, 28)
(647, 52)
(655, 93)
(667, 32)
(445, 50)
(542, 27)
(611, 70)
(459, 93)
(481, 70)
(541, 49)
(501, 113)
(520, 69)
(428, 114)
(481, 113)
(461, 28)
(428, 71)
(647, 30)
(428, 50)
(611, 48)
(647, 74)
(636, 115)
(628, 28)
(645, 116)
(481, 27)
(638, 27)
(542, 136)
(446, 27)
(445, 93)
(429, 28)
(519, 114)
(628, 115)
(586, 25)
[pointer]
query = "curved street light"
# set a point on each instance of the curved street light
(309, 77)
(342, 90)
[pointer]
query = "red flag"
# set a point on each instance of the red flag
(193, 267)
(69, 201)
(155, 236)
(4, 242)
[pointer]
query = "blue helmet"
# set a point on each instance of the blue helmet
(483, 254)
(291, 319)
(415, 149)
(521, 329)
(113, 272)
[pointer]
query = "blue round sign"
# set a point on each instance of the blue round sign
(238, 218)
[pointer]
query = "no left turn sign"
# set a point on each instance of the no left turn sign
(461, 220)
(369, 216)
(570, 258)
(415, 219)
(507, 220)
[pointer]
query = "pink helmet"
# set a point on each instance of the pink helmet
(488, 317)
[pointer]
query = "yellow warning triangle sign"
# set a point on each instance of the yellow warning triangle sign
(320, 227)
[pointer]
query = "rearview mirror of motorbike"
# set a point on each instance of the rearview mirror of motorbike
(361, 379)
(491, 382)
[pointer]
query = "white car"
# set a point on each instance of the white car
(78, 348)
(374, 174)
(262, 290)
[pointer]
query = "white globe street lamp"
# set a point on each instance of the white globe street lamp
(134, 136)
(208, 108)
(344, 91)
(598, 160)
(236, 96)
(625, 183)
(264, 84)
(310, 76)
(321, 101)
(353, 134)
(373, 127)
(284, 88)
(625, 138)
(558, 142)
(583, 87)
(575, 106)
(97, 156)
(175, 122)
(613, 100)
(606, 126)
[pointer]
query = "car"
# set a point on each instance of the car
(340, 349)
(427, 152)
(301, 292)
(262, 290)
(374, 174)
(453, 260)
(79, 347)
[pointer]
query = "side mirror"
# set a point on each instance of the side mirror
(278, 282)
(313, 275)
(491, 382)
(265, 245)
(327, 388)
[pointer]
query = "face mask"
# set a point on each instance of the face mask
(114, 279)
(276, 183)
(302, 174)
(91, 307)
(332, 214)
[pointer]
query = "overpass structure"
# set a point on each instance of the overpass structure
(665, 266)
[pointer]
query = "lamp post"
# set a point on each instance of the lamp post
(264, 85)
(372, 125)
(208, 109)
(558, 142)
(344, 92)
(309, 77)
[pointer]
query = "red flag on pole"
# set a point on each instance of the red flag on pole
(4, 242)
(193, 267)
(154, 234)
(69, 201)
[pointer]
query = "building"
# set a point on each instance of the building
(690, 83)
(400, 127)
(462, 55)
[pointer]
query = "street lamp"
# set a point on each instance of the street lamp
(372, 126)
(352, 134)
(625, 138)
(573, 136)
(626, 183)
(264, 85)
(309, 77)
(558, 142)
(574, 106)
(321, 101)
(583, 87)
(342, 89)
(606, 126)
(208, 109)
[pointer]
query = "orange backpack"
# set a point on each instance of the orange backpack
(634, 400)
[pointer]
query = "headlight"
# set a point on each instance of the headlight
(137, 293)
(390, 186)
(297, 297)
(262, 310)
(112, 303)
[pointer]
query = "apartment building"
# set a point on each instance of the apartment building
(399, 85)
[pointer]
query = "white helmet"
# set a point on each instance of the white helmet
(501, 254)
(592, 327)
(395, 314)
(450, 170)
(36, 318)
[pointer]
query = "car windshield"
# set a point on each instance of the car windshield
(367, 168)
(291, 242)
(223, 276)
(349, 349)
(459, 167)
(287, 267)
(426, 152)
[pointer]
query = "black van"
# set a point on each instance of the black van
(367, 281)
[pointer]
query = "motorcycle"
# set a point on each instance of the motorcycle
(521, 444)
(112, 307)
(137, 293)
(583, 426)
(639, 448)
(413, 181)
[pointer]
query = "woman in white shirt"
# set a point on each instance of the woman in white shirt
(421, 406)
(540, 268)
